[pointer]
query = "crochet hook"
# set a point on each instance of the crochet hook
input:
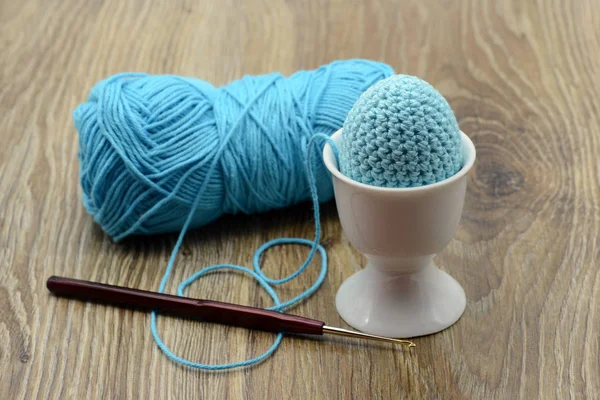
(203, 310)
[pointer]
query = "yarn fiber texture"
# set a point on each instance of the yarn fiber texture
(148, 143)
(400, 133)
(167, 153)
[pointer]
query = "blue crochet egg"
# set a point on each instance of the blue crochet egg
(400, 133)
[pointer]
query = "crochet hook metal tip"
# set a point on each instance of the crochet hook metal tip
(202, 310)
(348, 333)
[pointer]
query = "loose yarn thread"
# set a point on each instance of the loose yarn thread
(166, 153)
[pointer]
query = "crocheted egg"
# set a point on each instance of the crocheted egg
(400, 133)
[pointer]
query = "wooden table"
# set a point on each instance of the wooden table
(523, 80)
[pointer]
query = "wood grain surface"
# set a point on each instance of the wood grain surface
(523, 78)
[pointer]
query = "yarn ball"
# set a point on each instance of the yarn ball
(149, 145)
(400, 133)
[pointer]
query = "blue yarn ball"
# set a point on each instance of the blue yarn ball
(400, 133)
(149, 145)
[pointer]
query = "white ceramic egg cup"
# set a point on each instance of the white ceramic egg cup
(401, 292)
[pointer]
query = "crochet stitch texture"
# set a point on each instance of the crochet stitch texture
(400, 133)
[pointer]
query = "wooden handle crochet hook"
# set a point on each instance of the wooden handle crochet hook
(203, 310)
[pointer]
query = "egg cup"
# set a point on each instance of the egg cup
(400, 292)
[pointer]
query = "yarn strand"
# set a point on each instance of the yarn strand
(264, 281)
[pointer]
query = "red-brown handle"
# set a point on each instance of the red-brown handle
(204, 310)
